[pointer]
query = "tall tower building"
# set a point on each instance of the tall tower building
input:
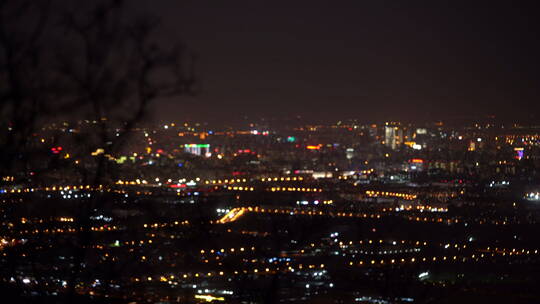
(197, 149)
(393, 135)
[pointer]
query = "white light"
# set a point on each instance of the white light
(423, 275)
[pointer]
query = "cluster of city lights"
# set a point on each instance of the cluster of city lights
(52, 188)
(281, 179)
(420, 208)
(474, 257)
(235, 213)
(294, 189)
(170, 224)
(236, 188)
(228, 250)
(225, 181)
(405, 196)
(315, 202)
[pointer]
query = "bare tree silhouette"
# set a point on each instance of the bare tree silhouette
(73, 61)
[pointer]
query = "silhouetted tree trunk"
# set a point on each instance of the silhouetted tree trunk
(71, 61)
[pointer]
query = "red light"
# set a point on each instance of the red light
(417, 160)
(178, 186)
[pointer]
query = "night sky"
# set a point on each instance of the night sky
(371, 60)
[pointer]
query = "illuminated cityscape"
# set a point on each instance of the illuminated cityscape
(329, 211)
(261, 152)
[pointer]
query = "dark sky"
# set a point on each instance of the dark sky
(355, 59)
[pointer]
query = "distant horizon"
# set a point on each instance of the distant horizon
(160, 114)
(153, 119)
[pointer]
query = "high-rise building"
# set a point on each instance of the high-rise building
(197, 149)
(393, 135)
